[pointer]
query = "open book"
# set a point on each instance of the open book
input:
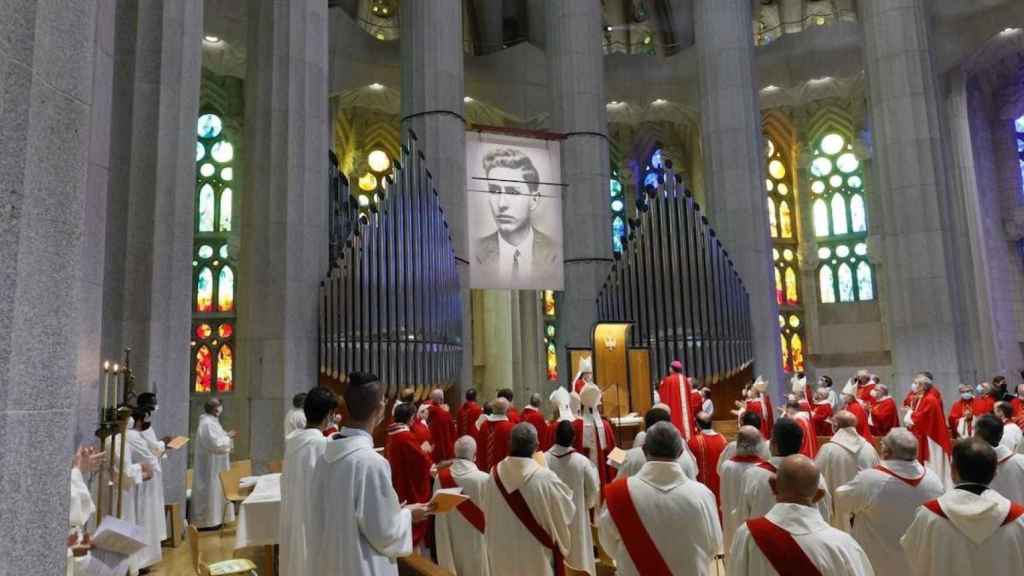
(446, 499)
(177, 442)
(617, 456)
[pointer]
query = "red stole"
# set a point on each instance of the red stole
(909, 481)
(781, 549)
(578, 385)
(518, 505)
(769, 467)
(470, 511)
(752, 459)
(1016, 511)
(638, 542)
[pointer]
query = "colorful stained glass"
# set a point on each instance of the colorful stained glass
(769, 184)
(847, 163)
(783, 189)
(857, 215)
(826, 284)
(796, 347)
(817, 186)
(209, 126)
(839, 214)
(204, 291)
(785, 220)
(777, 169)
(615, 187)
(203, 331)
(785, 354)
(651, 179)
(203, 371)
(845, 283)
(225, 211)
(865, 285)
(617, 205)
(549, 302)
(832, 144)
(821, 166)
(779, 290)
(206, 170)
(225, 330)
(794, 321)
(855, 182)
(791, 294)
(835, 181)
(820, 218)
(773, 225)
(861, 249)
(226, 290)
(824, 252)
(206, 208)
(222, 152)
(225, 369)
(842, 251)
(656, 159)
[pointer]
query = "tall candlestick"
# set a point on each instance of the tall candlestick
(117, 374)
(106, 385)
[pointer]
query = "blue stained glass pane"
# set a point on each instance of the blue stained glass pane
(1020, 144)
(618, 226)
(617, 243)
(1020, 124)
(209, 126)
(615, 187)
(656, 159)
(651, 179)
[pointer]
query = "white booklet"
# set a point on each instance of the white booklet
(116, 535)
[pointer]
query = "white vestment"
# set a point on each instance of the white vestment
(841, 458)
(157, 447)
(80, 512)
(730, 488)
(972, 541)
(730, 451)
(301, 451)
(635, 460)
(1012, 436)
(883, 507)
(354, 523)
(576, 471)
(550, 503)
(149, 501)
(757, 498)
(294, 421)
(132, 480)
(680, 516)
(461, 548)
(833, 552)
(1009, 480)
(212, 456)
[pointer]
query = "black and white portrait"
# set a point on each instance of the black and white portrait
(515, 212)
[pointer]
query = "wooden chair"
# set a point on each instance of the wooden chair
(229, 485)
(276, 467)
(223, 568)
(244, 466)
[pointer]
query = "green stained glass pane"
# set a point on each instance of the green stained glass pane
(225, 210)
(227, 174)
(224, 251)
(206, 208)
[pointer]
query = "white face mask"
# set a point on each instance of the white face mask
(156, 408)
(914, 388)
(218, 411)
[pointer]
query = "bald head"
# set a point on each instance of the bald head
(535, 400)
(748, 441)
(845, 419)
(899, 444)
(500, 406)
(797, 481)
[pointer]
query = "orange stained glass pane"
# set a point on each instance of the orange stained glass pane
(791, 295)
(204, 370)
(225, 369)
(773, 226)
(204, 291)
(785, 354)
(203, 331)
(226, 290)
(797, 352)
(785, 220)
(225, 330)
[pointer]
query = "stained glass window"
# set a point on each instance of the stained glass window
(1019, 126)
(550, 309)
(783, 231)
(840, 221)
(618, 206)
(213, 322)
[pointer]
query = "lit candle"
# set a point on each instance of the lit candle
(106, 384)
(117, 374)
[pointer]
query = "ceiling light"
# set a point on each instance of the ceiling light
(211, 39)
(376, 86)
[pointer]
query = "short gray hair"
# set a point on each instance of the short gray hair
(748, 441)
(500, 406)
(437, 395)
(663, 442)
(901, 444)
(522, 442)
(465, 447)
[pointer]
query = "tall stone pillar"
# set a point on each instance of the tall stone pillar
(284, 232)
(916, 217)
(46, 71)
(734, 164)
(432, 106)
(576, 77)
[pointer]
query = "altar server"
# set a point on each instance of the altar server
(581, 477)
(659, 522)
(971, 529)
(749, 443)
(677, 392)
(635, 458)
(212, 456)
(793, 538)
(1013, 438)
(442, 427)
(529, 511)
(410, 466)
(927, 421)
(1009, 480)
(295, 419)
(884, 499)
(302, 449)
(846, 454)
(355, 524)
(459, 535)
(149, 495)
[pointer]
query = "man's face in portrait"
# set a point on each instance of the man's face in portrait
(512, 202)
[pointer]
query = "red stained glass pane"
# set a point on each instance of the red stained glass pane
(225, 369)
(203, 331)
(203, 370)
(225, 331)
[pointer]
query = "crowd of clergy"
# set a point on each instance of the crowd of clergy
(845, 482)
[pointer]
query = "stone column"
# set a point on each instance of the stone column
(432, 93)
(733, 164)
(576, 77)
(916, 217)
(284, 234)
(46, 71)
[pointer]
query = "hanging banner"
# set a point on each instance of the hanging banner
(514, 208)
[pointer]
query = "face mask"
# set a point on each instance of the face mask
(914, 388)
(218, 411)
(979, 389)
(131, 422)
(155, 408)
(967, 396)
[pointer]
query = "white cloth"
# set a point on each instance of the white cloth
(302, 449)
(680, 516)
(259, 515)
(212, 456)
(550, 503)
(576, 471)
(884, 507)
(635, 460)
(354, 522)
(461, 548)
(833, 552)
(730, 451)
(294, 421)
(971, 541)
(149, 501)
(1009, 480)
(757, 498)
(841, 458)
(1012, 436)
(730, 488)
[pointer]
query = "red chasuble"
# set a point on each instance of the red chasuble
(781, 549)
(410, 472)
(638, 542)
(468, 415)
(929, 423)
(706, 449)
(470, 511)
(822, 412)
(884, 416)
(863, 428)
(420, 430)
(493, 443)
(605, 472)
(534, 417)
(671, 391)
(442, 430)
(763, 406)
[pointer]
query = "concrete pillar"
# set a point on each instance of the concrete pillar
(576, 77)
(490, 25)
(46, 71)
(916, 217)
(432, 93)
(733, 164)
(284, 234)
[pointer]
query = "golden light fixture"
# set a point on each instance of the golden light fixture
(378, 161)
(368, 182)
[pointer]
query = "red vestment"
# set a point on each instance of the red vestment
(863, 428)
(809, 445)
(442, 430)
(822, 412)
(763, 406)
(410, 472)
(420, 430)
(578, 385)
(469, 412)
(706, 449)
(884, 416)
(493, 443)
(929, 423)
(864, 394)
(534, 417)
(671, 391)
(604, 472)
(513, 415)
